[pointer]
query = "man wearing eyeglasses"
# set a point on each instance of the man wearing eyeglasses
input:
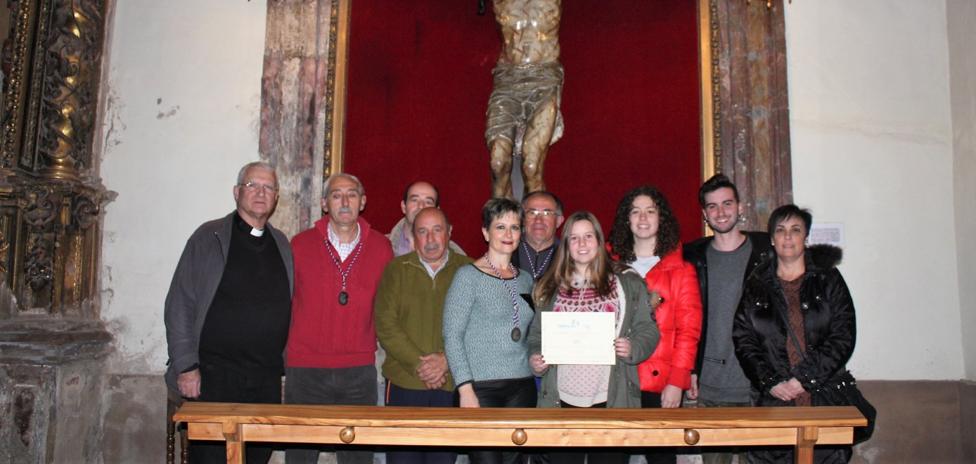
(229, 306)
(543, 215)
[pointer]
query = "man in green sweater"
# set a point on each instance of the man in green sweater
(409, 313)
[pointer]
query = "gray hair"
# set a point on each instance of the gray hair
(328, 183)
(259, 165)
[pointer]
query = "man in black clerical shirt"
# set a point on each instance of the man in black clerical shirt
(229, 307)
(543, 215)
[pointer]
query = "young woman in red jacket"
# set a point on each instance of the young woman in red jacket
(645, 237)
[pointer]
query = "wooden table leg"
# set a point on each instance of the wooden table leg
(806, 437)
(235, 447)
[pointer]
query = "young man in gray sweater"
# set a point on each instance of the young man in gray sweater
(722, 263)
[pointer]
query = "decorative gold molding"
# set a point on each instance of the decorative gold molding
(338, 71)
(50, 199)
(708, 68)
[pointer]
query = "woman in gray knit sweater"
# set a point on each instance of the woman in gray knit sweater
(486, 321)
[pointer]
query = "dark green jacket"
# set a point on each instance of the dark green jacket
(638, 325)
(409, 309)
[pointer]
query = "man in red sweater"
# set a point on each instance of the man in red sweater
(332, 341)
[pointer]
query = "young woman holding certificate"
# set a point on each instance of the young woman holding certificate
(582, 280)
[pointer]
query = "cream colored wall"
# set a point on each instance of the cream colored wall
(183, 83)
(872, 146)
(961, 19)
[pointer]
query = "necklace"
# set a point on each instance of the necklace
(536, 273)
(344, 274)
(580, 287)
(516, 331)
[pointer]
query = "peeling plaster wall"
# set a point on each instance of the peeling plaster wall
(872, 149)
(961, 18)
(180, 118)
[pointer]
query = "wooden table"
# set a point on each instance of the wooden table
(373, 425)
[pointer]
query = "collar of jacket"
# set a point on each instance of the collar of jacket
(816, 258)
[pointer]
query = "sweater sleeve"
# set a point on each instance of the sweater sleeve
(389, 329)
(180, 309)
(457, 312)
(687, 321)
(643, 332)
(749, 346)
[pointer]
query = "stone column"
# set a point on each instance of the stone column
(752, 133)
(293, 105)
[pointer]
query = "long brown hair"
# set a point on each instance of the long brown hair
(560, 274)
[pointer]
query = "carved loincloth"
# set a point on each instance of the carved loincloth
(518, 93)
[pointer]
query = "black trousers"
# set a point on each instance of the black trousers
(508, 393)
(235, 385)
(657, 455)
(344, 385)
(587, 455)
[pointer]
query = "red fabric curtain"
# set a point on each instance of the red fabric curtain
(419, 81)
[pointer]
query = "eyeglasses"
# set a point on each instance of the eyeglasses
(535, 213)
(254, 187)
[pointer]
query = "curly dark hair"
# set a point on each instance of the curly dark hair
(621, 239)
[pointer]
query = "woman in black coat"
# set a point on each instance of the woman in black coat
(795, 330)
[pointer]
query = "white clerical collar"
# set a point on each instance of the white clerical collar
(255, 232)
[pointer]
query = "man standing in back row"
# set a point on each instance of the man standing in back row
(722, 263)
(543, 216)
(417, 196)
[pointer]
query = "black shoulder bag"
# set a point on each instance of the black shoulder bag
(840, 390)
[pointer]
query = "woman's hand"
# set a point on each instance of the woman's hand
(622, 347)
(467, 396)
(787, 390)
(538, 364)
(670, 396)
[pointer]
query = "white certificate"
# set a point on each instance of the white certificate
(578, 338)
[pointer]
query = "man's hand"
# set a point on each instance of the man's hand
(670, 396)
(189, 384)
(432, 370)
(437, 384)
(693, 391)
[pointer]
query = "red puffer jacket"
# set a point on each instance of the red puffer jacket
(679, 318)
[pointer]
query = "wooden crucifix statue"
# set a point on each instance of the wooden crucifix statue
(523, 116)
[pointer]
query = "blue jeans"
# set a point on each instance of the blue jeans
(397, 396)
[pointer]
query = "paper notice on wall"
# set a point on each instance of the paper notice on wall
(831, 233)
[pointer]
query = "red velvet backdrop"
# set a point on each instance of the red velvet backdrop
(419, 80)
